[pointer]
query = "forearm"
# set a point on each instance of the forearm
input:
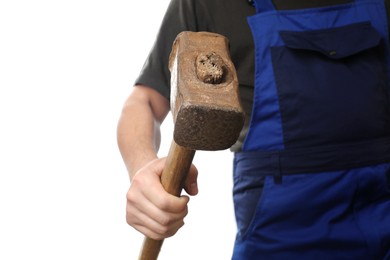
(138, 142)
(139, 128)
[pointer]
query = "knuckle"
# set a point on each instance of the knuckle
(163, 204)
(163, 231)
(169, 226)
(137, 181)
(130, 196)
(165, 221)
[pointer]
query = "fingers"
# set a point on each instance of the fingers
(191, 184)
(155, 223)
(150, 209)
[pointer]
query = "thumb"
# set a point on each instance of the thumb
(191, 184)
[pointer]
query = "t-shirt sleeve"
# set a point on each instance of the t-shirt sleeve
(181, 15)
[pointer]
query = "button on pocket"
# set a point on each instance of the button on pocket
(336, 43)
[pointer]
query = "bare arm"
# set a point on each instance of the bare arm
(139, 127)
(150, 209)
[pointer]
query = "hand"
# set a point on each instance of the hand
(150, 209)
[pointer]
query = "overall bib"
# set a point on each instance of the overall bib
(313, 179)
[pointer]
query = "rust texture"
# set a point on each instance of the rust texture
(205, 100)
(210, 68)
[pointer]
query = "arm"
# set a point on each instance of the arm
(139, 127)
(150, 209)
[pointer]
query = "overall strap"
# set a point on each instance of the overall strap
(270, 5)
(263, 5)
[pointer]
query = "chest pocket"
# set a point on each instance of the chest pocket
(332, 85)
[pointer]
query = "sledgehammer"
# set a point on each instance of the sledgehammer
(205, 105)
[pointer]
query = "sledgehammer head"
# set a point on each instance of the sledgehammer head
(205, 102)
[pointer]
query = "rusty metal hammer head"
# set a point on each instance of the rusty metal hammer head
(205, 102)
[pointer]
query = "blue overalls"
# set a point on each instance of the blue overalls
(313, 179)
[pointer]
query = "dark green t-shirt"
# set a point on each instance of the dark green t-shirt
(226, 17)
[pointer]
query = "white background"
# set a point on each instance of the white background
(66, 68)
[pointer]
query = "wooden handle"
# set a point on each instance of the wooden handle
(150, 249)
(175, 173)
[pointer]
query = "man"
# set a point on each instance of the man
(312, 163)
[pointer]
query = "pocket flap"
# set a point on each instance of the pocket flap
(336, 43)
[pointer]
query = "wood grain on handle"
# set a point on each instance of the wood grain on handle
(175, 172)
